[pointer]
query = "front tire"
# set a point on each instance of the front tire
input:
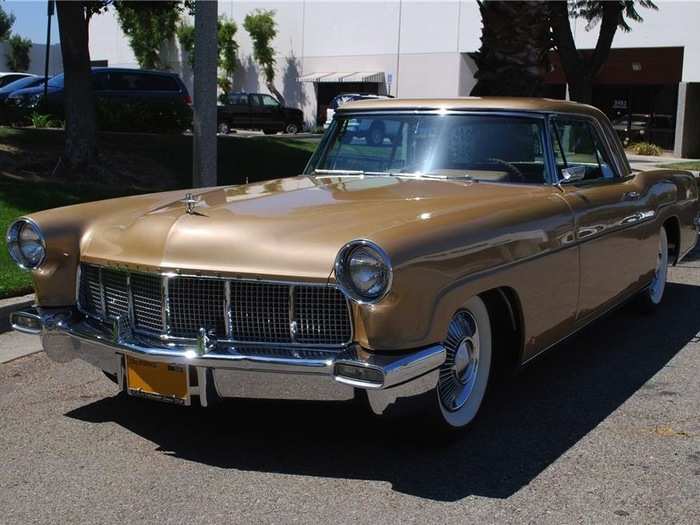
(466, 373)
(224, 128)
(652, 296)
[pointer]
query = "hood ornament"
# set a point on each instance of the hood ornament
(191, 202)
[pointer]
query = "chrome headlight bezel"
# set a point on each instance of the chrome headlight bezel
(14, 243)
(343, 274)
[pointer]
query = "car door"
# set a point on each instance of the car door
(612, 213)
(236, 113)
(271, 112)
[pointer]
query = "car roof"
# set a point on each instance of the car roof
(5, 73)
(544, 105)
(134, 70)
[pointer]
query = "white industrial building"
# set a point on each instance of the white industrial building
(422, 49)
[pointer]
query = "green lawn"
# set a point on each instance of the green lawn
(693, 165)
(129, 164)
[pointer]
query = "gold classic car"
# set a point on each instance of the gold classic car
(401, 271)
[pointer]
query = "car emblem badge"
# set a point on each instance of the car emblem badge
(191, 203)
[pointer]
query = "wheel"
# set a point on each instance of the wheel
(224, 128)
(376, 134)
(652, 296)
(269, 131)
(292, 128)
(466, 372)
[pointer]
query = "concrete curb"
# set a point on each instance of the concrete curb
(7, 306)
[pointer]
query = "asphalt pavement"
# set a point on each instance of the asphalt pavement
(603, 429)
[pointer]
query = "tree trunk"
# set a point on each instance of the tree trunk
(515, 39)
(80, 147)
(579, 72)
(272, 89)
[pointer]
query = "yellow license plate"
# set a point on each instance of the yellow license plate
(163, 381)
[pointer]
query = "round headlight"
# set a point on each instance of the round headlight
(363, 271)
(26, 244)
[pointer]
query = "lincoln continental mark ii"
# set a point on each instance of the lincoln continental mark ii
(466, 236)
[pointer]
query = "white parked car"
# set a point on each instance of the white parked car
(341, 99)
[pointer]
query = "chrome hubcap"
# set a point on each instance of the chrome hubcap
(459, 372)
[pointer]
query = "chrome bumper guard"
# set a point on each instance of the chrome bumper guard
(239, 370)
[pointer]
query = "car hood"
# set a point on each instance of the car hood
(288, 227)
(33, 90)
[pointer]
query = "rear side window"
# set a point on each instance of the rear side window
(238, 100)
(576, 143)
(140, 82)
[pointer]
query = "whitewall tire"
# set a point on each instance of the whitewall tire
(652, 296)
(465, 375)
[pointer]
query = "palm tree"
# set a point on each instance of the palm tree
(580, 71)
(515, 39)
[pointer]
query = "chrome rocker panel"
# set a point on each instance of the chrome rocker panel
(224, 370)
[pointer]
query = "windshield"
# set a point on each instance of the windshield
(56, 81)
(483, 147)
(21, 84)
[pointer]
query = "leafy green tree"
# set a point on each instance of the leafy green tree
(18, 57)
(581, 70)
(262, 28)
(228, 52)
(148, 25)
(515, 39)
(228, 49)
(7, 20)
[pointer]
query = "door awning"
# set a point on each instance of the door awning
(375, 77)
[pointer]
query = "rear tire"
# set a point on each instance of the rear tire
(224, 128)
(651, 297)
(291, 128)
(269, 131)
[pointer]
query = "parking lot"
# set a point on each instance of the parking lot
(606, 428)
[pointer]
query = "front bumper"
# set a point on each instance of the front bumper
(223, 370)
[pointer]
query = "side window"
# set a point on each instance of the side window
(238, 100)
(121, 82)
(255, 100)
(156, 83)
(576, 143)
(268, 101)
(99, 81)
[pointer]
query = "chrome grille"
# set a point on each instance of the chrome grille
(115, 293)
(90, 296)
(232, 310)
(260, 312)
(196, 303)
(147, 296)
(321, 315)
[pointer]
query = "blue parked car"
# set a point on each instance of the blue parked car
(122, 97)
(27, 81)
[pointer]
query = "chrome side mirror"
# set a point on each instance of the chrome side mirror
(573, 174)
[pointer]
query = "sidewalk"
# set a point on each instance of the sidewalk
(646, 162)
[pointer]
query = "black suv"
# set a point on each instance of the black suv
(258, 111)
(126, 99)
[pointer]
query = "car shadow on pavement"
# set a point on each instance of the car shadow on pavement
(527, 424)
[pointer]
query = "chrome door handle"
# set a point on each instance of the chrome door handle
(631, 196)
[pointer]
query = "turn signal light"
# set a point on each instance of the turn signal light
(359, 373)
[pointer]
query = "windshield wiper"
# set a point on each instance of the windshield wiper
(339, 172)
(412, 175)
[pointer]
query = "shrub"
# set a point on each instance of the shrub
(40, 120)
(153, 117)
(646, 148)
